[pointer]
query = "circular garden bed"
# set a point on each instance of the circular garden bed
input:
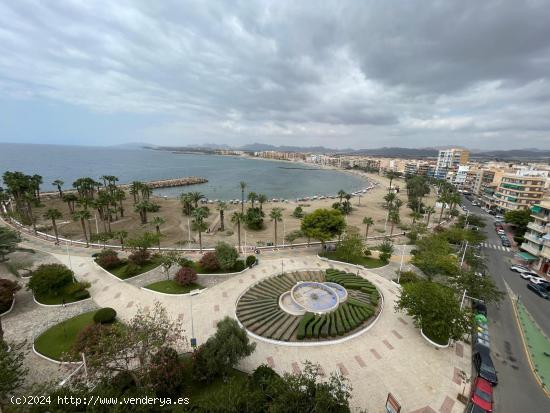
(267, 309)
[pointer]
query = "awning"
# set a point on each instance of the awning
(525, 256)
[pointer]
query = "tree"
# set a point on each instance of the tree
(157, 222)
(276, 215)
(293, 236)
(135, 189)
(222, 351)
(262, 199)
(187, 203)
(479, 287)
(323, 225)
(59, 183)
(252, 197)
(429, 210)
(54, 214)
(237, 218)
(7, 290)
(436, 309)
(196, 197)
(350, 247)
(199, 215)
(519, 219)
(185, 276)
(8, 242)
(227, 255)
(386, 250)
(242, 184)
(390, 197)
(131, 349)
(444, 199)
(143, 207)
(254, 218)
(341, 194)
(121, 235)
(394, 219)
(221, 207)
(433, 256)
(367, 221)
(70, 199)
(83, 216)
(143, 242)
(50, 279)
(12, 368)
(298, 212)
(391, 175)
(118, 196)
(168, 260)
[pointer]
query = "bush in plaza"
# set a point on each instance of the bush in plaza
(105, 315)
(166, 374)
(76, 287)
(386, 250)
(408, 277)
(139, 257)
(108, 259)
(250, 260)
(7, 290)
(81, 295)
(221, 352)
(185, 276)
(50, 279)
(131, 269)
(88, 338)
(226, 255)
(209, 261)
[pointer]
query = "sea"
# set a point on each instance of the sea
(276, 179)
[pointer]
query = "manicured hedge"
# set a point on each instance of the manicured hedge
(105, 315)
(306, 319)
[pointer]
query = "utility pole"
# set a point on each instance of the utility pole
(464, 254)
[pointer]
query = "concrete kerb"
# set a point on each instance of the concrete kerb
(171, 295)
(53, 360)
(304, 344)
(9, 309)
(60, 305)
(360, 267)
(433, 343)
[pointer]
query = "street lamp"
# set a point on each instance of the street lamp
(401, 264)
(193, 339)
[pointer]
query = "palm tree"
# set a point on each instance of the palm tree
(416, 215)
(59, 183)
(196, 197)
(397, 204)
(146, 192)
(135, 187)
(341, 194)
(142, 208)
(199, 215)
(82, 216)
(157, 222)
(29, 199)
(187, 203)
(391, 175)
(243, 186)
(252, 197)
(70, 199)
(394, 219)
(443, 199)
(222, 206)
(237, 218)
(262, 199)
(429, 210)
(118, 196)
(390, 198)
(368, 221)
(54, 214)
(36, 181)
(276, 215)
(121, 235)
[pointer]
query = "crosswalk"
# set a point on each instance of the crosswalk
(496, 247)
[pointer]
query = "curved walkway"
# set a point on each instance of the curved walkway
(391, 357)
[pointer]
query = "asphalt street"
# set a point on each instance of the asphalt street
(517, 391)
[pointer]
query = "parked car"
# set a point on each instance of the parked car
(481, 340)
(501, 232)
(527, 275)
(480, 308)
(482, 394)
(505, 243)
(474, 408)
(484, 364)
(499, 217)
(538, 289)
(519, 268)
(537, 280)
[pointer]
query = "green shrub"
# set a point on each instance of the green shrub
(7, 290)
(81, 295)
(339, 326)
(309, 328)
(50, 279)
(75, 287)
(317, 326)
(139, 257)
(105, 315)
(408, 277)
(333, 329)
(367, 252)
(326, 326)
(227, 255)
(250, 260)
(131, 269)
(209, 261)
(306, 319)
(108, 259)
(185, 276)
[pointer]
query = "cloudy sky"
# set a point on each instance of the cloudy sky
(358, 74)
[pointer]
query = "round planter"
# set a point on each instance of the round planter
(433, 343)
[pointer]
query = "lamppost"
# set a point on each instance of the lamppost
(284, 232)
(464, 254)
(401, 264)
(193, 339)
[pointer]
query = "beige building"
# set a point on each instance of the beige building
(449, 160)
(537, 237)
(520, 190)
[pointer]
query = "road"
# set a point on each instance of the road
(517, 391)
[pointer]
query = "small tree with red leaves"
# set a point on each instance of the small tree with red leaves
(209, 261)
(185, 276)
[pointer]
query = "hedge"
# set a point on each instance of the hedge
(105, 315)
(309, 329)
(326, 326)
(333, 329)
(339, 326)
(306, 319)
(317, 326)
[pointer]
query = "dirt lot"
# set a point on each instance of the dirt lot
(175, 230)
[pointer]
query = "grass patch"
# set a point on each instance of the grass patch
(172, 287)
(120, 271)
(367, 262)
(51, 299)
(58, 340)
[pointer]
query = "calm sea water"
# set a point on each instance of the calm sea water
(223, 172)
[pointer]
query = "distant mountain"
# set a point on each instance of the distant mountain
(395, 152)
(133, 145)
(515, 154)
(258, 147)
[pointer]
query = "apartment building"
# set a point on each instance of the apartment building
(520, 190)
(449, 160)
(537, 237)
(421, 168)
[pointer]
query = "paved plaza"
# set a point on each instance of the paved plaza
(390, 357)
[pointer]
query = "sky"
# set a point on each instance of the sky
(342, 74)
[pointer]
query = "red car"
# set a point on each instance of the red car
(482, 394)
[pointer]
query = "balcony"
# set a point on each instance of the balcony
(538, 228)
(530, 248)
(545, 252)
(533, 238)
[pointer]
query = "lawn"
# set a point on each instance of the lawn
(50, 299)
(58, 340)
(367, 262)
(172, 287)
(119, 271)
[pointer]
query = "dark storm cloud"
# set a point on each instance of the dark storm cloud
(341, 73)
